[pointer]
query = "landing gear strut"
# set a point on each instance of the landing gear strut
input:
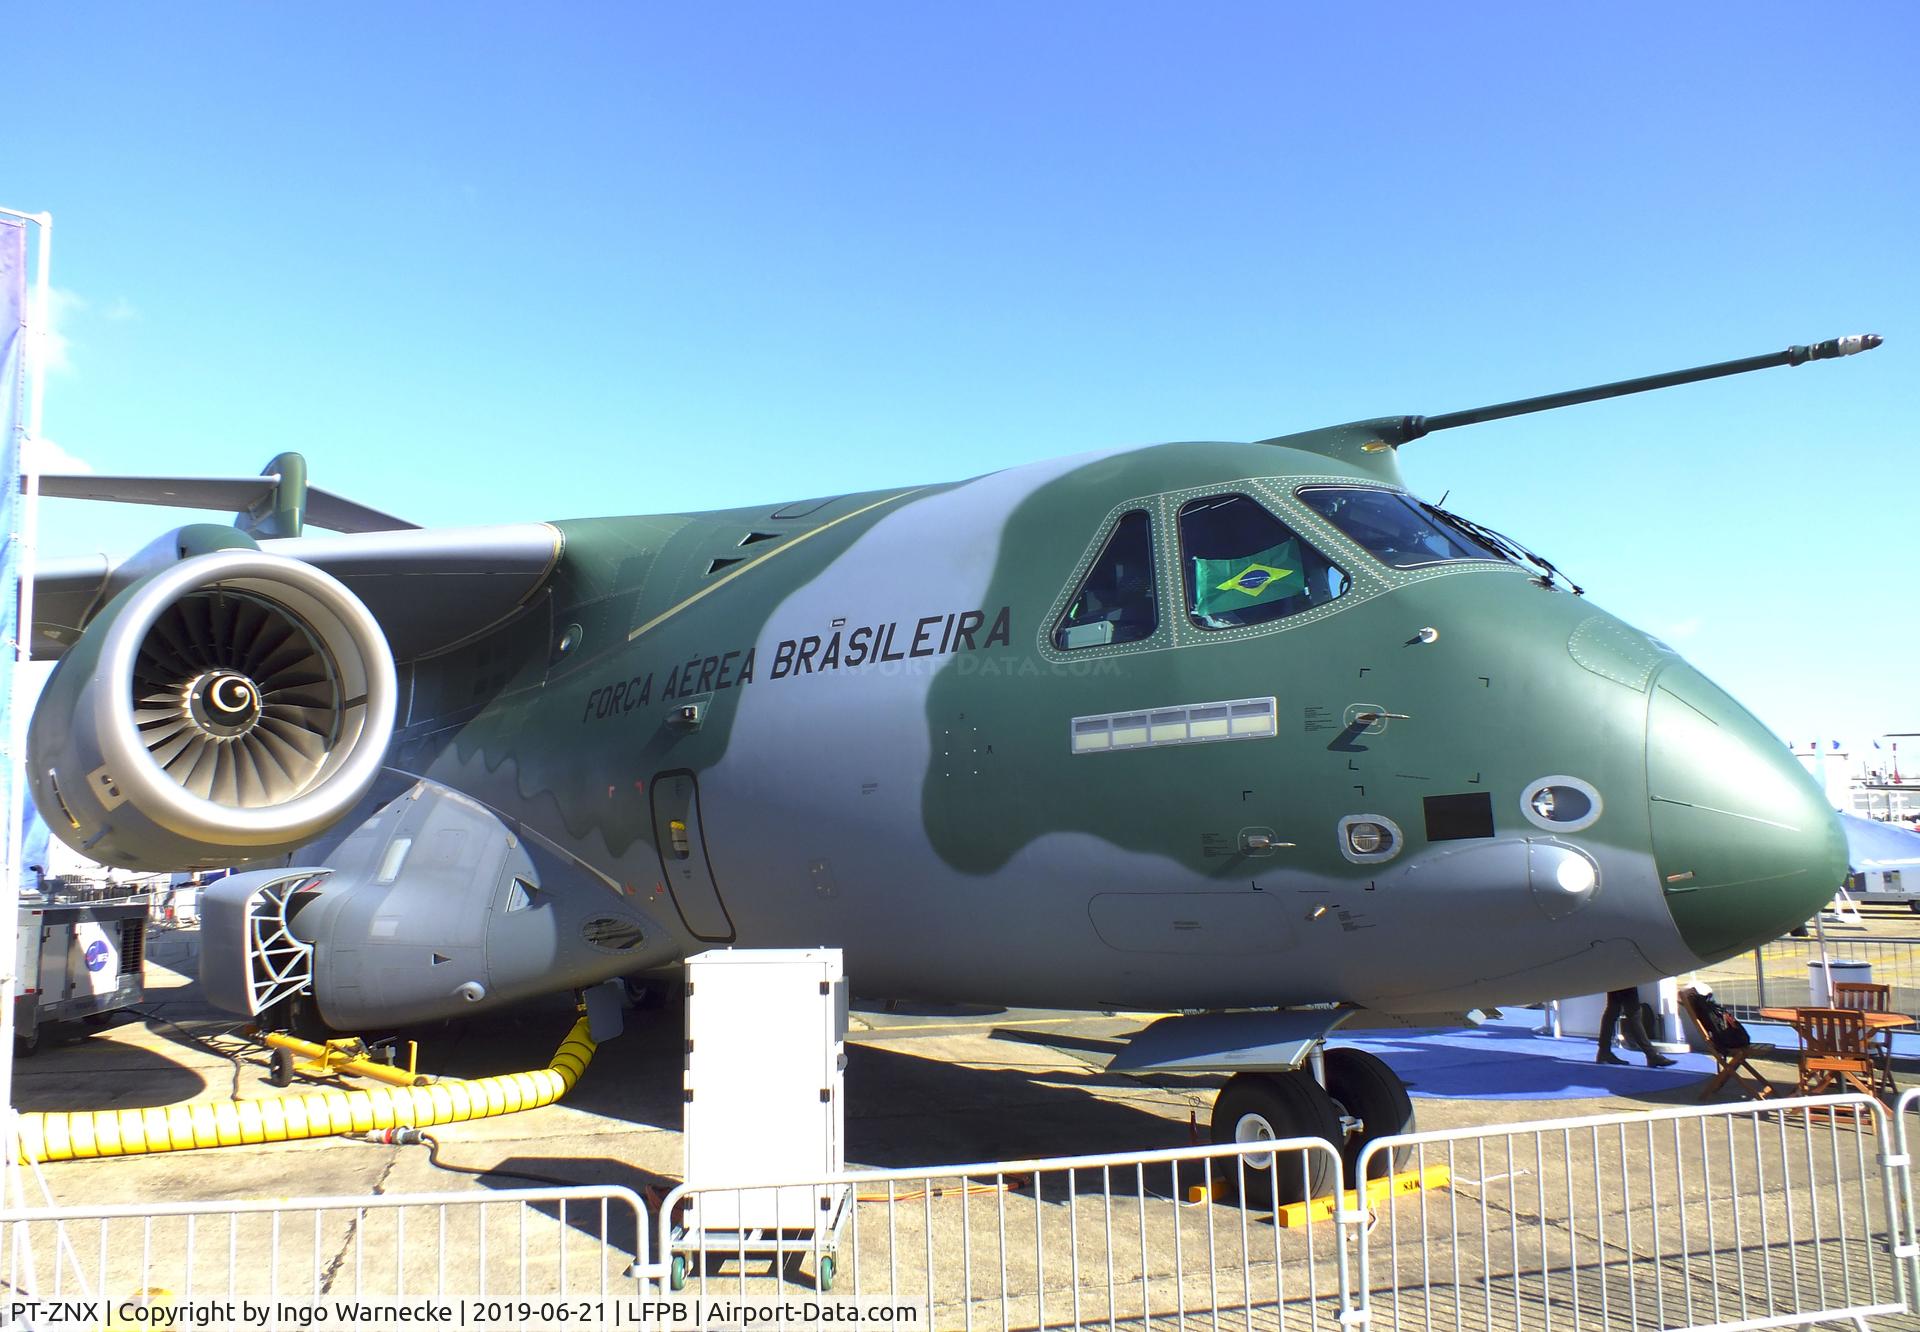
(1362, 1100)
(1363, 1088)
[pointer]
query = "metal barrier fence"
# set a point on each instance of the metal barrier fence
(283, 1257)
(1777, 974)
(1907, 1240)
(1739, 1216)
(1754, 1215)
(1744, 1215)
(1160, 1238)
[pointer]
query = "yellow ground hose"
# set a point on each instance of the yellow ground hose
(81, 1134)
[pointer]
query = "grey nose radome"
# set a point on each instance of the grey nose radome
(1744, 841)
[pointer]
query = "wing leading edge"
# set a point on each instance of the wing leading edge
(430, 588)
(277, 503)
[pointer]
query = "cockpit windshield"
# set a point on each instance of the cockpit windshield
(1407, 533)
(1394, 527)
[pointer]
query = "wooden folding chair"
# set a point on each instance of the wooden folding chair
(1730, 1060)
(1834, 1050)
(1870, 998)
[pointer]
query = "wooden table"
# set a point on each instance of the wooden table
(1879, 1028)
(1876, 1022)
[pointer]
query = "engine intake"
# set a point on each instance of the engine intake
(223, 710)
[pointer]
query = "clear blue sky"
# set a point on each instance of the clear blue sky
(484, 263)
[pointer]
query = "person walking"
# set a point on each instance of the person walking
(1623, 1008)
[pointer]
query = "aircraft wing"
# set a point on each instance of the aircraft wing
(429, 587)
(325, 509)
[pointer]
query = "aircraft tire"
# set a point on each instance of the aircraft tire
(1256, 1107)
(1367, 1089)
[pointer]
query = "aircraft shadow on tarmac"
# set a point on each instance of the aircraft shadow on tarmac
(524, 1172)
(903, 1109)
(74, 1070)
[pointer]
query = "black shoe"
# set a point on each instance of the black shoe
(1608, 1057)
(1658, 1061)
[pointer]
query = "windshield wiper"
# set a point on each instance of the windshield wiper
(1503, 544)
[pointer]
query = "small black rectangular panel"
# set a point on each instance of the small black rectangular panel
(1453, 818)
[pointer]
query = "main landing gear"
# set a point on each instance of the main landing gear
(1346, 1097)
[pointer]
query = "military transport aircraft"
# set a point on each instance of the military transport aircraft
(1245, 733)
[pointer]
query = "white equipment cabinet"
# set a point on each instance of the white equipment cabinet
(1580, 1016)
(765, 1099)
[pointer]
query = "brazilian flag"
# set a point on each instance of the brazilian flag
(1222, 586)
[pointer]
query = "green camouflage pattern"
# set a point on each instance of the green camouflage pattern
(861, 703)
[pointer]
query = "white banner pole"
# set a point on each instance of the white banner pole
(11, 1191)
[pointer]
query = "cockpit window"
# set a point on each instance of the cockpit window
(1395, 527)
(1244, 566)
(1115, 604)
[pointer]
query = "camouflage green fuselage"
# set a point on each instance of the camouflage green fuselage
(868, 696)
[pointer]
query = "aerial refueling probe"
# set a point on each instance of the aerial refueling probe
(1413, 427)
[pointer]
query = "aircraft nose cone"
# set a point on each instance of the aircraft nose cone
(1743, 839)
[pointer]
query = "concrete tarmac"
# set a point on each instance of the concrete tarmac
(924, 1086)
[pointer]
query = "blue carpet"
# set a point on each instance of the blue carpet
(1504, 1061)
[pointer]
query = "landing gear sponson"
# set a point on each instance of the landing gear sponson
(1284, 1083)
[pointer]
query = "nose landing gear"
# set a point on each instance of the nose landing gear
(1285, 1084)
(1362, 1101)
(1263, 1107)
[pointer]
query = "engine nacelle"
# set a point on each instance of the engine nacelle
(221, 711)
(430, 909)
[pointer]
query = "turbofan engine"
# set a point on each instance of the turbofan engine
(221, 711)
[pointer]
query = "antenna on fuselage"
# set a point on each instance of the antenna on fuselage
(1413, 427)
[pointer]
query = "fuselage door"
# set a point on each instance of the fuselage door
(683, 857)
